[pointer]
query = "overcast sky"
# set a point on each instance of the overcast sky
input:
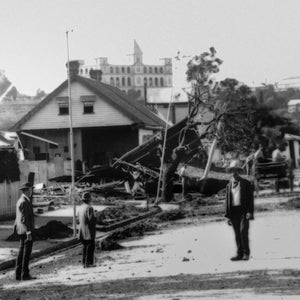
(258, 40)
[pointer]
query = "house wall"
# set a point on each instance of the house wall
(178, 111)
(101, 145)
(104, 113)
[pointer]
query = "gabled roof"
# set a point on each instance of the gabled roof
(131, 108)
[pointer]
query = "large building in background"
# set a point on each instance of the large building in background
(288, 83)
(134, 77)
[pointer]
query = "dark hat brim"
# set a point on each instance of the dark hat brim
(26, 186)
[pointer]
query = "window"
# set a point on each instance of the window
(117, 81)
(123, 81)
(66, 149)
(123, 70)
(145, 80)
(150, 70)
(161, 70)
(111, 69)
(112, 81)
(155, 70)
(86, 71)
(117, 70)
(128, 81)
(145, 70)
(156, 81)
(63, 108)
(161, 81)
(150, 82)
(128, 70)
(88, 107)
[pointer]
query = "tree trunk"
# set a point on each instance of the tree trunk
(168, 174)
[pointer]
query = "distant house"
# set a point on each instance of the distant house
(106, 123)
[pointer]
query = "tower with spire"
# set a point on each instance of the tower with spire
(137, 54)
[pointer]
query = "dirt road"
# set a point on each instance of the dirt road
(188, 260)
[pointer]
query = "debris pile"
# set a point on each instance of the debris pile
(293, 203)
(171, 215)
(113, 214)
(134, 230)
(52, 230)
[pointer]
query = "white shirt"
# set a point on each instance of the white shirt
(236, 193)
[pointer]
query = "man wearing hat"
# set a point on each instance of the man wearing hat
(24, 227)
(87, 230)
(239, 206)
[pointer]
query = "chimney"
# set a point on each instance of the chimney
(74, 66)
(96, 74)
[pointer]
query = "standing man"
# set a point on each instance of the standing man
(24, 228)
(87, 230)
(239, 206)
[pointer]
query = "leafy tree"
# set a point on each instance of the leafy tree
(239, 120)
(40, 94)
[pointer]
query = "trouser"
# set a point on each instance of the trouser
(241, 230)
(22, 262)
(88, 252)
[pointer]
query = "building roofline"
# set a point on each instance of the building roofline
(112, 95)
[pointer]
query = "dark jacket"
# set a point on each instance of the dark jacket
(87, 222)
(247, 198)
(24, 216)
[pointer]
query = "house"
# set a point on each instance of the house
(106, 124)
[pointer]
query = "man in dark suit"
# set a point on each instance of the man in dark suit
(239, 207)
(24, 228)
(87, 230)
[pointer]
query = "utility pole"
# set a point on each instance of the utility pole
(71, 194)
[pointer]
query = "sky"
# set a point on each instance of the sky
(258, 40)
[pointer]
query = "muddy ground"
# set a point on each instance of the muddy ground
(186, 258)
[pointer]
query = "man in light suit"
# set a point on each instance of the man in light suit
(239, 207)
(24, 228)
(87, 230)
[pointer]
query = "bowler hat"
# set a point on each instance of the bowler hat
(26, 186)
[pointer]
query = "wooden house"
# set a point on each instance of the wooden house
(106, 124)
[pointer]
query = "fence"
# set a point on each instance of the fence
(9, 194)
(43, 170)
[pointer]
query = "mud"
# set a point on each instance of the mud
(52, 230)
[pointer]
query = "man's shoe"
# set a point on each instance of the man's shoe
(236, 258)
(28, 277)
(246, 257)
